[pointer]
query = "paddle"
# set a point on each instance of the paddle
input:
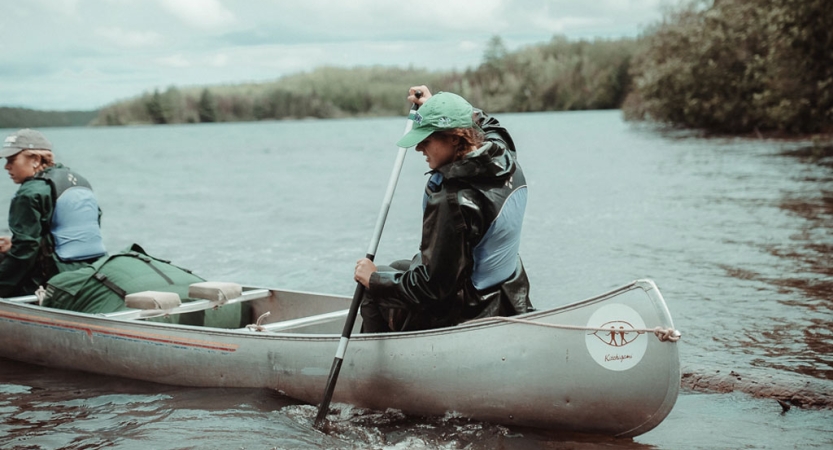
(359, 292)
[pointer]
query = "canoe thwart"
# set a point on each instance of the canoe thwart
(196, 305)
(23, 299)
(297, 323)
(215, 291)
(154, 300)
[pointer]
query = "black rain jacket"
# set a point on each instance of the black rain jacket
(437, 289)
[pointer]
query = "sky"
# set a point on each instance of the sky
(85, 54)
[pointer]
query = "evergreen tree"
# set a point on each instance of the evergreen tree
(154, 108)
(206, 108)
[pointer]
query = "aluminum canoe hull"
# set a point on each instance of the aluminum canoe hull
(544, 372)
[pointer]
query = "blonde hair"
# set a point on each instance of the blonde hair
(44, 158)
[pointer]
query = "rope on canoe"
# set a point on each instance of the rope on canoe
(258, 326)
(40, 294)
(663, 334)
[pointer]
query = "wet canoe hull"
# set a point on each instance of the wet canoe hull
(534, 374)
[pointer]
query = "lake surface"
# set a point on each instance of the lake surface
(737, 235)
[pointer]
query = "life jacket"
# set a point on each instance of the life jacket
(495, 257)
(75, 230)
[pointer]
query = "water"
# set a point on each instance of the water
(736, 234)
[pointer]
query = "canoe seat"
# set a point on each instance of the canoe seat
(152, 300)
(215, 291)
(220, 297)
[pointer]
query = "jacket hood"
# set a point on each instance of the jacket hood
(488, 161)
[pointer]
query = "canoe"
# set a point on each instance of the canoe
(605, 365)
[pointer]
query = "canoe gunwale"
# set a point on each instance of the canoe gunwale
(647, 285)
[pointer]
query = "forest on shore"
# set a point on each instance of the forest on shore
(727, 66)
(33, 118)
(555, 76)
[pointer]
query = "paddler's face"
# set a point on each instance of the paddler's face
(20, 167)
(438, 151)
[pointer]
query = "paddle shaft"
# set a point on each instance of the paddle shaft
(359, 292)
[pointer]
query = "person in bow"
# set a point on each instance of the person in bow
(54, 217)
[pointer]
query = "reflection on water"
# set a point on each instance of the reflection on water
(53, 409)
(807, 268)
(812, 249)
(65, 409)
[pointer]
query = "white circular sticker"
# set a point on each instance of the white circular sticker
(618, 346)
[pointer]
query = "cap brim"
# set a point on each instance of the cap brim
(414, 137)
(9, 151)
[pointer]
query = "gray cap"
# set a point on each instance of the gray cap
(25, 139)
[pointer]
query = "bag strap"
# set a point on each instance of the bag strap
(149, 261)
(134, 254)
(110, 285)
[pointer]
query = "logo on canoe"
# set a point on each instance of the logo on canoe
(616, 345)
(621, 333)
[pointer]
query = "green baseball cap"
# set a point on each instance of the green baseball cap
(442, 111)
(25, 139)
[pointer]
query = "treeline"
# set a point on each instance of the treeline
(31, 118)
(738, 66)
(326, 92)
(558, 75)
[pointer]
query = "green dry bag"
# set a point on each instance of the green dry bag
(100, 287)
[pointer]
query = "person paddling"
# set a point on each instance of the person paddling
(54, 217)
(468, 266)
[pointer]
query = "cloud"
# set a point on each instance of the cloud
(468, 46)
(176, 61)
(466, 15)
(562, 24)
(127, 38)
(65, 7)
(219, 60)
(599, 18)
(129, 46)
(199, 13)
